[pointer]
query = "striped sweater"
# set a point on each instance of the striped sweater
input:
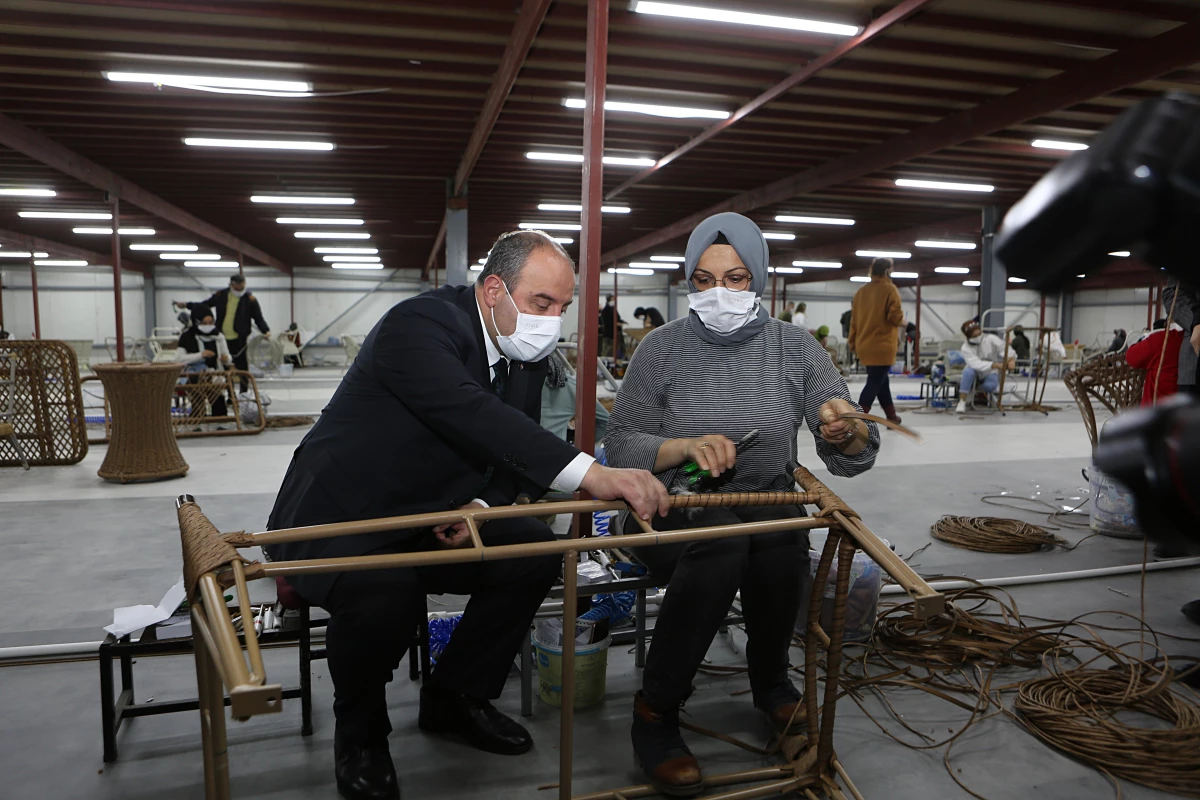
(679, 386)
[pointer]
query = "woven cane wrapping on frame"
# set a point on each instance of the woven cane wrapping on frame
(731, 499)
(143, 443)
(827, 501)
(1108, 379)
(204, 550)
(48, 404)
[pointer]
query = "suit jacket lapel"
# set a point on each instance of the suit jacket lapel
(466, 301)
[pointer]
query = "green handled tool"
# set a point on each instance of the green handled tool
(696, 474)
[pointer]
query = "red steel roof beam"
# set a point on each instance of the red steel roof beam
(827, 59)
(1141, 61)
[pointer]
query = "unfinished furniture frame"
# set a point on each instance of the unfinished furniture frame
(47, 405)
(1109, 379)
(211, 563)
(8, 404)
(1041, 378)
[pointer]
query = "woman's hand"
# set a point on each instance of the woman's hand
(842, 433)
(714, 453)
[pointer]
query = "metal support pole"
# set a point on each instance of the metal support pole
(1066, 316)
(617, 338)
(116, 267)
(1, 299)
(149, 303)
(241, 264)
(456, 240)
(292, 293)
(37, 316)
(1157, 315)
(917, 340)
(993, 278)
(774, 290)
(1150, 307)
(672, 298)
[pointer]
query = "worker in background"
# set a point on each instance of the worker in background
(1020, 344)
(234, 308)
(1159, 359)
(800, 318)
(874, 335)
(1118, 342)
(985, 355)
(788, 310)
(610, 329)
(651, 317)
(847, 315)
(202, 347)
(440, 411)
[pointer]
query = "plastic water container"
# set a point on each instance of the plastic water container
(591, 672)
(1112, 507)
(862, 604)
(285, 370)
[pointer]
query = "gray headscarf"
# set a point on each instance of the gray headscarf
(747, 240)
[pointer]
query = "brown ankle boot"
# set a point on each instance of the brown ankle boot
(785, 708)
(661, 753)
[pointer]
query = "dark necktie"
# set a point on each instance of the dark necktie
(500, 382)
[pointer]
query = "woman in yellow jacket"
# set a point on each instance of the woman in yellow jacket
(875, 321)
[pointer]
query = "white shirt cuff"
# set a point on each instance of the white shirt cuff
(481, 502)
(572, 475)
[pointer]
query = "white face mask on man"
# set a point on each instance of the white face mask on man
(534, 337)
(722, 310)
(238, 292)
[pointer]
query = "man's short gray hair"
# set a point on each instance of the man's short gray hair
(512, 250)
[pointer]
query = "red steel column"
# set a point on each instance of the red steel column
(1, 299)
(1150, 308)
(595, 77)
(917, 322)
(37, 315)
(116, 267)
(616, 316)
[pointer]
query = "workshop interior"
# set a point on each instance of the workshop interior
(599, 399)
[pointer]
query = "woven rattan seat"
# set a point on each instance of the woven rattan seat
(1110, 380)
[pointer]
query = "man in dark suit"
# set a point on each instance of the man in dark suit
(234, 308)
(440, 410)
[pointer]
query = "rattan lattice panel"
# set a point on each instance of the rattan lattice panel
(198, 398)
(1109, 379)
(48, 404)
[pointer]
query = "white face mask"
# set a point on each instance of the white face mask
(206, 328)
(975, 339)
(723, 311)
(534, 337)
(238, 292)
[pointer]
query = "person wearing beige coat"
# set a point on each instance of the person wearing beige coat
(875, 321)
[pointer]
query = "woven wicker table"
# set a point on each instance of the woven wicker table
(142, 447)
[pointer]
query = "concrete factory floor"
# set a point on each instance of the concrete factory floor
(73, 547)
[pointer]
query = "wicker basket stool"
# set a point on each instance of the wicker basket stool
(143, 445)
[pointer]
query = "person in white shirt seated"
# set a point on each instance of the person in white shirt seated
(985, 355)
(799, 317)
(202, 347)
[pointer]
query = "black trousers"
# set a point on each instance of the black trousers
(374, 614)
(772, 571)
(237, 352)
(877, 385)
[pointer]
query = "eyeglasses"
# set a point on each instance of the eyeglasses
(733, 281)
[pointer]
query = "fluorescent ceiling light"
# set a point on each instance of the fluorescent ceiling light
(56, 263)
(742, 18)
(947, 185)
(652, 265)
(163, 248)
(257, 144)
(550, 226)
(330, 235)
(860, 279)
(788, 270)
(818, 264)
(22, 254)
(970, 283)
(786, 237)
(302, 200)
(223, 264)
(577, 158)
(944, 245)
(28, 192)
(476, 268)
(254, 86)
(629, 271)
(952, 270)
(570, 207)
(803, 220)
(563, 239)
(1081, 276)
(653, 109)
(348, 259)
(676, 259)
(357, 266)
(366, 251)
(904, 274)
(64, 215)
(1050, 144)
(882, 254)
(1016, 280)
(316, 221)
(1120, 253)
(192, 256)
(108, 231)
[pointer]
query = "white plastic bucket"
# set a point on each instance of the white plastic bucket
(285, 370)
(591, 672)
(1112, 507)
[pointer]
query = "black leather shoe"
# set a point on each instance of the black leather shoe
(475, 720)
(364, 773)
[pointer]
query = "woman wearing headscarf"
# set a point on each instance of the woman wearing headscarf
(695, 387)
